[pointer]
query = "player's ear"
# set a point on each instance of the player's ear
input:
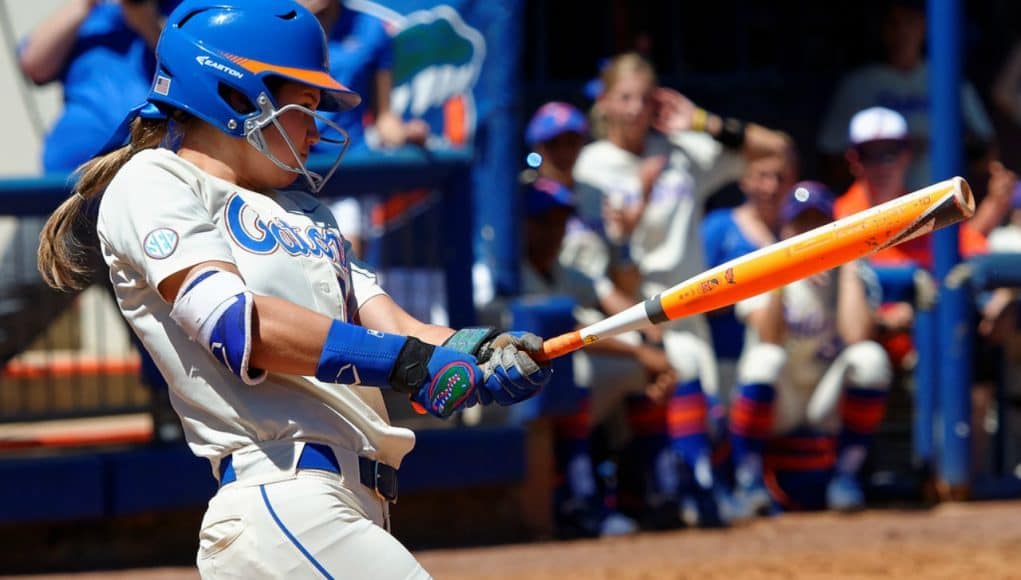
(237, 100)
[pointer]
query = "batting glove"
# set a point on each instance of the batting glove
(441, 380)
(511, 375)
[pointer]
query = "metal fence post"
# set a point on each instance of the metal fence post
(957, 333)
(954, 331)
(926, 391)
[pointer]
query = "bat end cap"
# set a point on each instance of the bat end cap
(963, 196)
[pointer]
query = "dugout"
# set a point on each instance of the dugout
(772, 62)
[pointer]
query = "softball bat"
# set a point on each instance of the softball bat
(855, 236)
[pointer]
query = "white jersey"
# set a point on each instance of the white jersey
(812, 341)
(665, 244)
(904, 92)
(161, 215)
(1005, 239)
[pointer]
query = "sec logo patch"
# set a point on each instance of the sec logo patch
(160, 243)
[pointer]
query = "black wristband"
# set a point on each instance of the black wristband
(411, 367)
(732, 133)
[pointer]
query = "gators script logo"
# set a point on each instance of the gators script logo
(262, 236)
(450, 387)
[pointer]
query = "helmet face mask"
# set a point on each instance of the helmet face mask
(268, 115)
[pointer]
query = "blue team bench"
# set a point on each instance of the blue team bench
(103, 484)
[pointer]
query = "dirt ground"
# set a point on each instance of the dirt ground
(959, 541)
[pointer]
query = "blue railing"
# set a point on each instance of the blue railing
(941, 425)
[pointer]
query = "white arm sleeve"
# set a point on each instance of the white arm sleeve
(364, 283)
(712, 164)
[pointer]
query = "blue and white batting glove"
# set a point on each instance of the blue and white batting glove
(511, 375)
(452, 382)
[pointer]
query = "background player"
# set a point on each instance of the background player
(252, 308)
(729, 233)
(899, 82)
(809, 361)
(607, 371)
(661, 158)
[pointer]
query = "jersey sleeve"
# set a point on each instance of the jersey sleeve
(157, 222)
(364, 282)
(712, 237)
(712, 164)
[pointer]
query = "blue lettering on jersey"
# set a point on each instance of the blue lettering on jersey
(260, 237)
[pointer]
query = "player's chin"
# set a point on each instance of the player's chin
(282, 178)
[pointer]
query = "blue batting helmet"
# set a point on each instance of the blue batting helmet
(208, 46)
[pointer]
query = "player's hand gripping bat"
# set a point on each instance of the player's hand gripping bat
(814, 251)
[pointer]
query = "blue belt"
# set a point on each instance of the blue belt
(379, 477)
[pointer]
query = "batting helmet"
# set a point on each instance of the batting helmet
(209, 45)
(210, 50)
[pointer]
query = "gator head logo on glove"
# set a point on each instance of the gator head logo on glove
(450, 387)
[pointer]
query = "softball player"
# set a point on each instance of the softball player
(275, 342)
(651, 186)
(809, 360)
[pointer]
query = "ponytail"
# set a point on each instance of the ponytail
(62, 253)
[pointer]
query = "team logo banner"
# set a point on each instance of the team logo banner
(455, 66)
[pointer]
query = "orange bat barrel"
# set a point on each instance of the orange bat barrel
(823, 248)
(818, 250)
(560, 345)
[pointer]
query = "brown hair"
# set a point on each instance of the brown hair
(62, 253)
(621, 65)
(626, 63)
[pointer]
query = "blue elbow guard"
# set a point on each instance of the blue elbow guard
(215, 310)
(355, 355)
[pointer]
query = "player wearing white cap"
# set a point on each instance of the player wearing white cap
(272, 338)
(899, 82)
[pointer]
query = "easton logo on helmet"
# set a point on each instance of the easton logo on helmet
(206, 61)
